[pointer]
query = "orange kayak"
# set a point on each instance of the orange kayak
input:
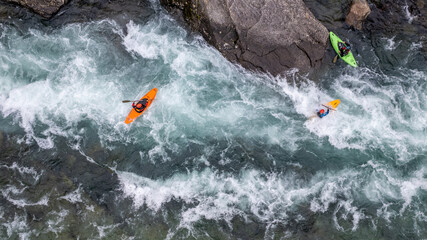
(134, 114)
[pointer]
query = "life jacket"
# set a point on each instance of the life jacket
(343, 49)
(143, 103)
(321, 115)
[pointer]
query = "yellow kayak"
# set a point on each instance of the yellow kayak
(332, 105)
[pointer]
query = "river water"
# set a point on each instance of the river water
(222, 153)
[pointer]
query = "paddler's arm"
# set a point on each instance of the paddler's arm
(328, 107)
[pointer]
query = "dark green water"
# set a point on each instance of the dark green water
(221, 153)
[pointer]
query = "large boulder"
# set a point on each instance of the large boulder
(359, 11)
(45, 8)
(267, 35)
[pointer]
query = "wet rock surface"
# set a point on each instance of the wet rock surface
(269, 36)
(65, 195)
(405, 23)
(79, 11)
(45, 186)
(401, 23)
(45, 8)
(392, 16)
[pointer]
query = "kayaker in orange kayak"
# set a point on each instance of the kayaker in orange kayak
(141, 105)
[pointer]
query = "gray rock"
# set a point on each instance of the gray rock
(45, 8)
(359, 11)
(267, 35)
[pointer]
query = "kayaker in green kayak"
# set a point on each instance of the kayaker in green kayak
(344, 48)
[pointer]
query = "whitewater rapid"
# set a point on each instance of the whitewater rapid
(220, 141)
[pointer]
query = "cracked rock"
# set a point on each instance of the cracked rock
(269, 35)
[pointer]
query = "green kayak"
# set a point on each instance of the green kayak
(349, 57)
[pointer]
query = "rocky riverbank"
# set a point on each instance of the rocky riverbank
(265, 36)
(223, 154)
(270, 36)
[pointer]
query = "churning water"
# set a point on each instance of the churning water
(221, 153)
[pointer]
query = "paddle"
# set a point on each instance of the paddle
(328, 107)
(335, 59)
(126, 101)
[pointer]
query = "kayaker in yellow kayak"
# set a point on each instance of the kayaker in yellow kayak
(321, 113)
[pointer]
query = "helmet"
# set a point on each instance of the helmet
(348, 47)
(139, 105)
(322, 111)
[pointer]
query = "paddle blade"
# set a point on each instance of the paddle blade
(335, 59)
(126, 101)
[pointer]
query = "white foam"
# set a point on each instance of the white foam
(11, 192)
(73, 197)
(369, 116)
(90, 208)
(20, 226)
(151, 42)
(71, 92)
(391, 44)
(200, 99)
(348, 209)
(25, 171)
(272, 198)
(204, 99)
(269, 197)
(409, 16)
(105, 229)
(211, 92)
(415, 46)
(384, 184)
(55, 223)
(385, 212)
(410, 187)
